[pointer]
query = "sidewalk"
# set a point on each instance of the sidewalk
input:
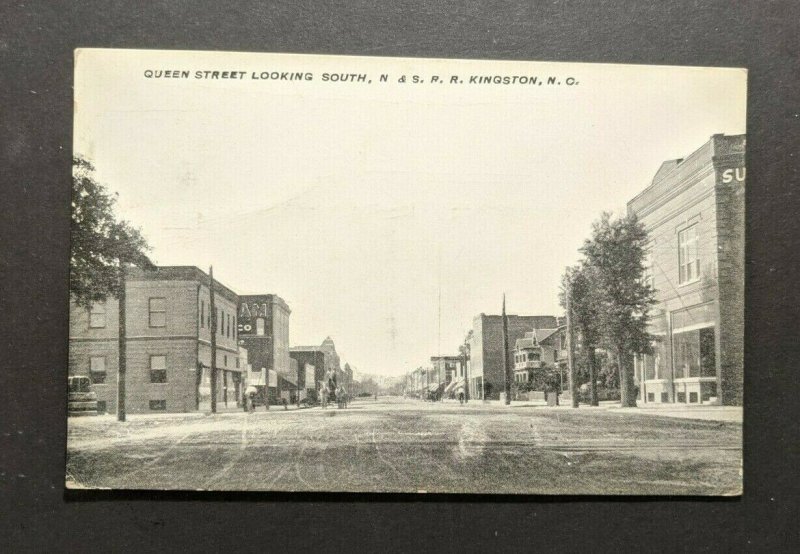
(732, 414)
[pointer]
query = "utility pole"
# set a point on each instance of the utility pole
(213, 309)
(266, 387)
(573, 381)
(466, 377)
(506, 360)
(122, 366)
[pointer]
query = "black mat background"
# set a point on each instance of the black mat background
(36, 44)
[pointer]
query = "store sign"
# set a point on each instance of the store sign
(729, 175)
(253, 314)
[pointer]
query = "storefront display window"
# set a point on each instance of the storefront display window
(693, 353)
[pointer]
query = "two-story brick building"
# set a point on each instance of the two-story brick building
(168, 328)
(325, 360)
(694, 213)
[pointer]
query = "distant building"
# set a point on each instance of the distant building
(263, 329)
(168, 327)
(446, 368)
(538, 349)
(486, 373)
(694, 213)
(310, 357)
(324, 359)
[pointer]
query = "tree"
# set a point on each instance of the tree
(585, 318)
(616, 254)
(101, 247)
(99, 242)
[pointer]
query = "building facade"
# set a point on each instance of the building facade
(694, 213)
(325, 360)
(308, 357)
(263, 329)
(538, 349)
(168, 328)
(486, 372)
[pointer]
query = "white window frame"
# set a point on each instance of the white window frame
(97, 309)
(688, 266)
(91, 364)
(151, 311)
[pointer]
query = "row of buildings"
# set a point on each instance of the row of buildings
(168, 320)
(478, 369)
(693, 211)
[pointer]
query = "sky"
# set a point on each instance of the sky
(387, 215)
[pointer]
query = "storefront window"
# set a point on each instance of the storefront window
(693, 353)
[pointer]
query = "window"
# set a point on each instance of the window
(649, 367)
(97, 369)
(101, 407)
(235, 328)
(651, 397)
(237, 363)
(693, 353)
(225, 360)
(158, 405)
(158, 369)
(688, 259)
(692, 398)
(229, 326)
(221, 322)
(682, 397)
(202, 313)
(260, 326)
(664, 397)
(533, 356)
(158, 312)
(97, 315)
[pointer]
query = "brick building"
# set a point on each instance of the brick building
(325, 359)
(168, 328)
(307, 356)
(486, 373)
(263, 329)
(694, 213)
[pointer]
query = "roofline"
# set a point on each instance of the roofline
(682, 161)
(200, 276)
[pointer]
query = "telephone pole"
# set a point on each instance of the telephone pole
(213, 341)
(573, 380)
(123, 355)
(466, 377)
(506, 359)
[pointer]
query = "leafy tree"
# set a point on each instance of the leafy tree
(616, 254)
(585, 318)
(100, 243)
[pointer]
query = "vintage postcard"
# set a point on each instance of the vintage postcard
(332, 273)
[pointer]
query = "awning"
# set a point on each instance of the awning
(454, 385)
(434, 386)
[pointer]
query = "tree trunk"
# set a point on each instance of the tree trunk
(626, 387)
(592, 376)
(573, 378)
